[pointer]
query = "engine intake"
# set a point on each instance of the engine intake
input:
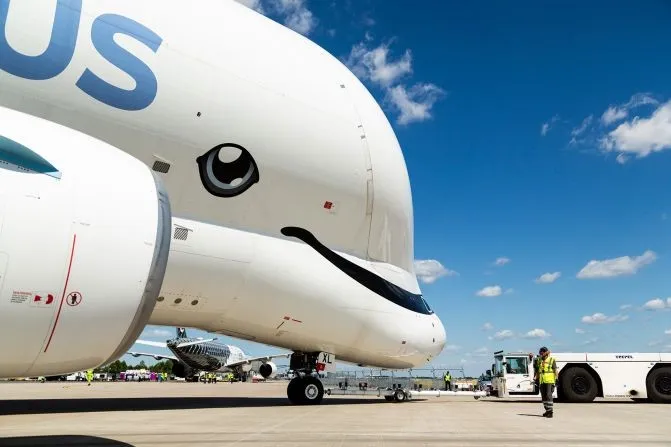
(268, 370)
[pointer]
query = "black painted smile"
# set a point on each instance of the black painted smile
(366, 278)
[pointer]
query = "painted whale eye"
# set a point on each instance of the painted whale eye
(227, 170)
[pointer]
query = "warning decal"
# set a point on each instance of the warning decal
(19, 297)
(74, 299)
(42, 299)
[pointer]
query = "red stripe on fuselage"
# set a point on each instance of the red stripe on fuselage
(65, 288)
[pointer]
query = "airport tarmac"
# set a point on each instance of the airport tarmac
(224, 414)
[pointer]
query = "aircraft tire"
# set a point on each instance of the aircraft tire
(659, 385)
(293, 390)
(306, 390)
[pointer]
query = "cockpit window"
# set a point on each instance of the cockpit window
(427, 306)
(410, 301)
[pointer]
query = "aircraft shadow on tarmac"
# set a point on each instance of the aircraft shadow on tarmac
(85, 405)
(38, 441)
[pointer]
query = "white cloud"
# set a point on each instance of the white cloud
(537, 333)
(547, 278)
(579, 331)
(252, 4)
(429, 270)
(590, 341)
(617, 113)
(503, 335)
(487, 327)
(482, 351)
(501, 261)
(451, 348)
(378, 66)
(609, 268)
(545, 128)
(657, 304)
(667, 332)
(599, 318)
(613, 114)
(489, 291)
(641, 136)
(293, 13)
(414, 104)
(296, 15)
(621, 159)
(625, 306)
(576, 132)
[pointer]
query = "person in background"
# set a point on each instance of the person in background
(448, 381)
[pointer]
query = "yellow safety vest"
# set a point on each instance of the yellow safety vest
(545, 370)
(448, 377)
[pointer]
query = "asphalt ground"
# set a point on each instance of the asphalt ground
(224, 414)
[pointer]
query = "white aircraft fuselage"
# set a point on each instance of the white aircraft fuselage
(291, 211)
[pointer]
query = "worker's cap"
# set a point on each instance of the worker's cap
(542, 350)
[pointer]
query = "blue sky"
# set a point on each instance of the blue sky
(536, 134)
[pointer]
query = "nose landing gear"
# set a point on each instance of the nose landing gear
(305, 388)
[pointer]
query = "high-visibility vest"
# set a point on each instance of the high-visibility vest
(448, 377)
(545, 370)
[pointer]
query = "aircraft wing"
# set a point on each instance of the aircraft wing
(156, 356)
(158, 344)
(249, 360)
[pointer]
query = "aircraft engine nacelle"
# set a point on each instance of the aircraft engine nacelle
(268, 370)
(84, 241)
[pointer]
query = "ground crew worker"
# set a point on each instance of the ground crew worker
(448, 381)
(546, 375)
(89, 376)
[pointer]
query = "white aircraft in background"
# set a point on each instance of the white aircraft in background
(197, 165)
(193, 355)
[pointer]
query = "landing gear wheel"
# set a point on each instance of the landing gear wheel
(399, 396)
(578, 385)
(305, 390)
(659, 385)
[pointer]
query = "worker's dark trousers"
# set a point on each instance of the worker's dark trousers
(448, 386)
(546, 394)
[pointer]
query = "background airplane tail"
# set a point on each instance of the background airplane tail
(181, 332)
